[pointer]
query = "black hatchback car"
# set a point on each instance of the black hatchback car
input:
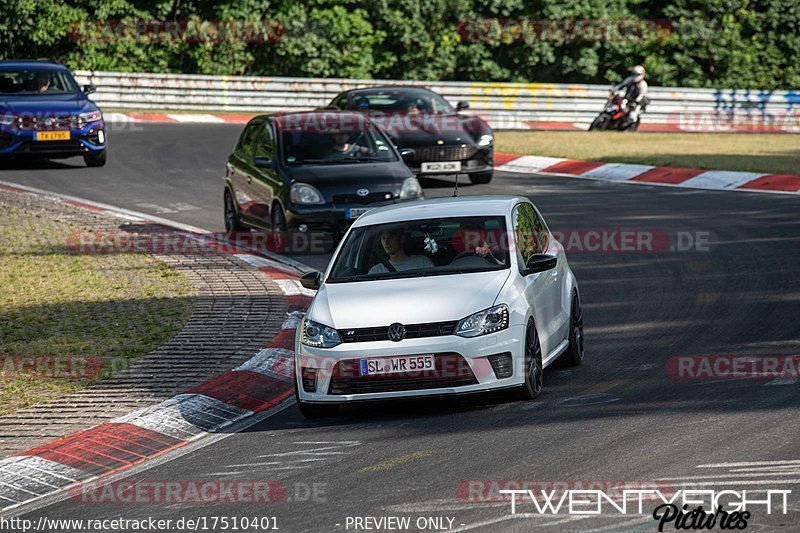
(444, 140)
(312, 171)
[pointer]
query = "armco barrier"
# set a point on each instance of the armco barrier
(505, 105)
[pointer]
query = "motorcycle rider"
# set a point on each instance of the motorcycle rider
(635, 93)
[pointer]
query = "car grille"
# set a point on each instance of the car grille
(413, 331)
(444, 153)
(362, 200)
(32, 123)
(451, 370)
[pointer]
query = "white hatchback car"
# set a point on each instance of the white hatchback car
(447, 296)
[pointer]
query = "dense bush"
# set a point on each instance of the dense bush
(697, 43)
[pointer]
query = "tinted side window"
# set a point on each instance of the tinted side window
(340, 101)
(530, 233)
(264, 144)
(248, 137)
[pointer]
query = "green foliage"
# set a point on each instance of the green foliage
(699, 43)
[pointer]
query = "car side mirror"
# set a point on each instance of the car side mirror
(462, 105)
(540, 263)
(89, 89)
(408, 154)
(263, 162)
(311, 280)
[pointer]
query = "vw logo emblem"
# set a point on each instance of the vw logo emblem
(397, 332)
(362, 192)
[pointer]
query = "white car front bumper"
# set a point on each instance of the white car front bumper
(447, 349)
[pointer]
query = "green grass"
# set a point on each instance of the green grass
(769, 153)
(113, 308)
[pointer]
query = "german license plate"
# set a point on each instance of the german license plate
(355, 212)
(393, 365)
(443, 166)
(51, 136)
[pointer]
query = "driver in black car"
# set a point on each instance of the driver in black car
(341, 146)
(393, 242)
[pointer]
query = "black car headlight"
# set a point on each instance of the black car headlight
(303, 193)
(484, 322)
(319, 335)
(411, 189)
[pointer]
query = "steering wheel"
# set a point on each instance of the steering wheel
(489, 257)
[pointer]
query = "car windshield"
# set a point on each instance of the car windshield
(344, 143)
(25, 82)
(411, 101)
(418, 248)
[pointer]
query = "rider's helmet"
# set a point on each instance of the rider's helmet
(639, 72)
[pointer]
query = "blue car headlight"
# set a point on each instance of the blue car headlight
(319, 335)
(7, 119)
(89, 116)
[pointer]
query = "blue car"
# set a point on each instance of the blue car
(45, 113)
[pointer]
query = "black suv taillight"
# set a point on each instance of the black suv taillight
(501, 365)
(309, 379)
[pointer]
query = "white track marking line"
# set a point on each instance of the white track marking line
(712, 482)
(752, 463)
(497, 520)
(196, 118)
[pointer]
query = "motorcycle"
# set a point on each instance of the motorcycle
(614, 115)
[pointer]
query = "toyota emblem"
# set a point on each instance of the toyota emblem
(362, 192)
(397, 332)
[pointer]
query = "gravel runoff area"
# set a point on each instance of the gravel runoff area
(749, 152)
(86, 337)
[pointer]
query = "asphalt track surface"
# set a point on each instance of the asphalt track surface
(619, 416)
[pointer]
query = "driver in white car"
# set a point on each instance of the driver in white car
(393, 242)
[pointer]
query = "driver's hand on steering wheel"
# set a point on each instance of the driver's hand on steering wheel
(483, 251)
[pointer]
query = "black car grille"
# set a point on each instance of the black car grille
(413, 331)
(444, 153)
(362, 200)
(451, 370)
(32, 123)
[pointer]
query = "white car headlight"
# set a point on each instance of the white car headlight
(319, 335)
(483, 322)
(485, 139)
(411, 189)
(90, 116)
(303, 193)
(7, 119)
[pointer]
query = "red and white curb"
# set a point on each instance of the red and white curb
(650, 175)
(262, 383)
(186, 118)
